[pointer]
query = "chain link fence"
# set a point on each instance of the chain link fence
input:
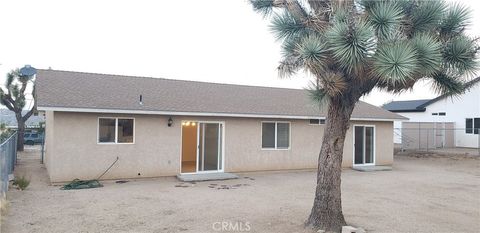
(429, 136)
(8, 158)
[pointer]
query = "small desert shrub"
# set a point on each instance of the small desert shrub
(3, 206)
(21, 182)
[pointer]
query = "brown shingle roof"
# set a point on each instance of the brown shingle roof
(73, 90)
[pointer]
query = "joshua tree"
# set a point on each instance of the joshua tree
(14, 98)
(352, 47)
(4, 132)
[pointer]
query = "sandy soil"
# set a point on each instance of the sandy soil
(425, 194)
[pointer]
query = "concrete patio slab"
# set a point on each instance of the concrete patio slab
(372, 168)
(206, 177)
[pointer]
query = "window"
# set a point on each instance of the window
(476, 125)
(442, 114)
(469, 125)
(268, 135)
(283, 135)
(125, 130)
(275, 135)
(317, 121)
(106, 130)
(115, 130)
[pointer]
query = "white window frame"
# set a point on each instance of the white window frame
(473, 125)
(116, 131)
(276, 125)
(374, 145)
(319, 121)
(222, 140)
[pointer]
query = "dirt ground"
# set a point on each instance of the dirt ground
(421, 194)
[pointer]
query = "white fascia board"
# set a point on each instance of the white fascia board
(207, 114)
(372, 119)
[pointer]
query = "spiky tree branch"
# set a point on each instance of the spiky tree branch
(13, 97)
(33, 109)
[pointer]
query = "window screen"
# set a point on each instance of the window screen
(106, 130)
(125, 130)
(268, 135)
(468, 125)
(283, 135)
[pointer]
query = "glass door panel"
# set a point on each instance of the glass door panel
(358, 144)
(369, 146)
(210, 147)
(220, 146)
(200, 156)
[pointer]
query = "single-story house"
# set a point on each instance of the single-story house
(450, 122)
(162, 127)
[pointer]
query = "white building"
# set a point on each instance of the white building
(462, 111)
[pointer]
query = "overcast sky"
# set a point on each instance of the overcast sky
(204, 40)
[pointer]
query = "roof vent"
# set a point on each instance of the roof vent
(141, 100)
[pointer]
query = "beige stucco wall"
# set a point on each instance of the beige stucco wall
(73, 151)
(49, 120)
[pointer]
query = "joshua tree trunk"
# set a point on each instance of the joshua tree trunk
(327, 207)
(21, 130)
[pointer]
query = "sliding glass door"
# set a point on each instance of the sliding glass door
(209, 147)
(364, 145)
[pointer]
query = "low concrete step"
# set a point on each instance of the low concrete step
(372, 168)
(206, 176)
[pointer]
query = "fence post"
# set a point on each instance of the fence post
(3, 175)
(428, 138)
(419, 137)
(43, 146)
(9, 159)
(15, 146)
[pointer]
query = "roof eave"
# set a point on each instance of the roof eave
(407, 110)
(176, 113)
(468, 85)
